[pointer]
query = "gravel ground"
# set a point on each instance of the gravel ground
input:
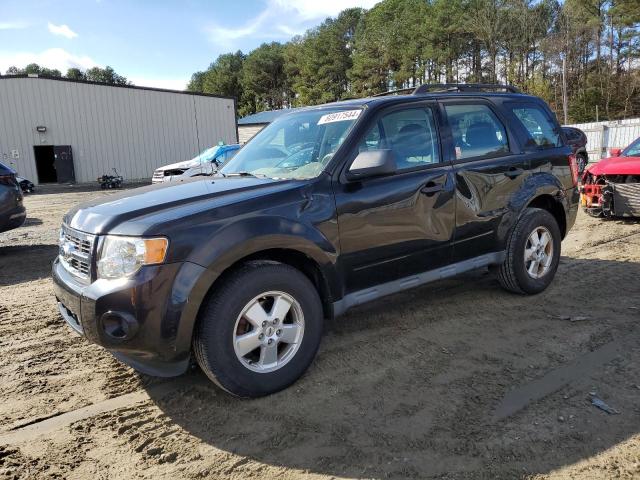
(457, 379)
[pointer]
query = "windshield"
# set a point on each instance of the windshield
(632, 150)
(208, 155)
(299, 145)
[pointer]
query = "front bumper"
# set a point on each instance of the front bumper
(145, 320)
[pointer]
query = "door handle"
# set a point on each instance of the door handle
(514, 172)
(431, 188)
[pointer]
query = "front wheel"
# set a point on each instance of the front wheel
(260, 330)
(533, 253)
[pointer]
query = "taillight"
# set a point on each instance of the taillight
(573, 164)
(7, 180)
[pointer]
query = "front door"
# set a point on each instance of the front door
(400, 224)
(63, 162)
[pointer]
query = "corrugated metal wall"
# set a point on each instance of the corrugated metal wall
(247, 132)
(133, 130)
(602, 136)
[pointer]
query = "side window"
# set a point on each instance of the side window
(572, 134)
(633, 150)
(410, 133)
(543, 132)
(476, 131)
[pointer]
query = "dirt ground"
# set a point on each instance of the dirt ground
(455, 380)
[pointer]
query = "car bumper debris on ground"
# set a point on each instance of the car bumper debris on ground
(458, 379)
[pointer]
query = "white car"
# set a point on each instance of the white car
(207, 163)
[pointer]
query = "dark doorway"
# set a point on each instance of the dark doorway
(64, 164)
(54, 164)
(45, 164)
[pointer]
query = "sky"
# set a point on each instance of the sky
(152, 43)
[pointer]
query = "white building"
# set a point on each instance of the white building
(58, 130)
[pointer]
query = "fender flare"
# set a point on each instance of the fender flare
(536, 185)
(237, 241)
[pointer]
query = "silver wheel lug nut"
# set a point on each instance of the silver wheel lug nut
(264, 324)
(270, 341)
(278, 332)
(261, 336)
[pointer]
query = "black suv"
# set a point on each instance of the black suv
(577, 140)
(12, 211)
(326, 208)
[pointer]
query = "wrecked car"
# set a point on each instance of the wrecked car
(611, 187)
(325, 209)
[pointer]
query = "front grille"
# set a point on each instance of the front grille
(76, 249)
(626, 199)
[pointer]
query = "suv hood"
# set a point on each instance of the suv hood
(136, 211)
(186, 164)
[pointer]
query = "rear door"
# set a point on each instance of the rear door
(63, 163)
(400, 224)
(543, 146)
(488, 168)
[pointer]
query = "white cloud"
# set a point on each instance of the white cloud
(155, 82)
(62, 30)
(225, 36)
(50, 58)
(13, 25)
(316, 10)
(281, 20)
(62, 60)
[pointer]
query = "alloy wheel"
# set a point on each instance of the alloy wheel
(268, 332)
(538, 252)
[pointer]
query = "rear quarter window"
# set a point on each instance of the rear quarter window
(542, 131)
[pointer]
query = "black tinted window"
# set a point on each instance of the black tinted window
(543, 131)
(476, 131)
(570, 134)
(410, 133)
(632, 150)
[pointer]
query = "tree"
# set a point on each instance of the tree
(196, 84)
(75, 74)
(318, 63)
(264, 80)
(594, 45)
(105, 75)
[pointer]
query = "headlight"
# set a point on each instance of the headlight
(123, 256)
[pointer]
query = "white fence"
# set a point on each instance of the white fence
(602, 136)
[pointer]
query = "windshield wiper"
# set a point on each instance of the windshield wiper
(242, 174)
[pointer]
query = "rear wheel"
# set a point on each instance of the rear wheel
(533, 253)
(260, 330)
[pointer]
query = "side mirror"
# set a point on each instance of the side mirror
(615, 152)
(372, 163)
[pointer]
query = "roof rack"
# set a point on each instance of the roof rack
(463, 87)
(394, 92)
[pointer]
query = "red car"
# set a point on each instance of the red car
(611, 187)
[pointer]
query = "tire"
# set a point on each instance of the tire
(222, 321)
(512, 274)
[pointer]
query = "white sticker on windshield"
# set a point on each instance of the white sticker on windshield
(339, 116)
